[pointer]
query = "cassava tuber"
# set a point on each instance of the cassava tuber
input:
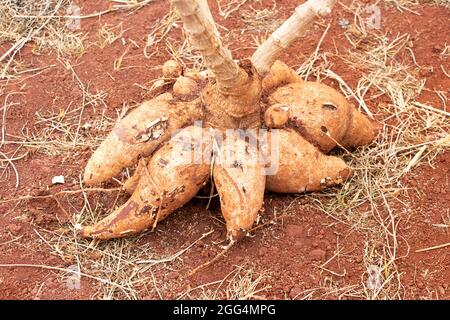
(172, 69)
(305, 120)
(138, 135)
(318, 112)
(170, 179)
(185, 86)
(240, 182)
(302, 167)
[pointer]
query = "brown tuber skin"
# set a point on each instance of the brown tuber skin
(279, 75)
(306, 121)
(303, 168)
(131, 184)
(165, 184)
(277, 116)
(172, 69)
(185, 86)
(319, 113)
(138, 135)
(240, 184)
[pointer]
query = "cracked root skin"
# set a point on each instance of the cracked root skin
(138, 135)
(302, 167)
(167, 182)
(318, 112)
(240, 182)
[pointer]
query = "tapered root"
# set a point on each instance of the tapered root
(131, 184)
(240, 181)
(301, 166)
(361, 131)
(174, 174)
(138, 135)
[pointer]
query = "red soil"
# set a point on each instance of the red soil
(288, 251)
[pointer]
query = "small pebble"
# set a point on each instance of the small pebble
(58, 180)
(14, 228)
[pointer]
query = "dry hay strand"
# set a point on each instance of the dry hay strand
(37, 21)
(411, 134)
(160, 30)
(261, 20)
(119, 269)
(445, 52)
(409, 5)
(242, 283)
(51, 24)
(245, 285)
(184, 54)
(225, 10)
(316, 63)
(108, 34)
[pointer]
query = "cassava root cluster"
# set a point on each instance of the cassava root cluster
(182, 137)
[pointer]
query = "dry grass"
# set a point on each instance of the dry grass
(60, 133)
(37, 21)
(51, 24)
(412, 133)
(407, 4)
(56, 133)
(227, 8)
(160, 30)
(243, 283)
(261, 20)
(184, 53)
(108, 34)
(116, 263)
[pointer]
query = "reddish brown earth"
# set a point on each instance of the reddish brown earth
(289, 251)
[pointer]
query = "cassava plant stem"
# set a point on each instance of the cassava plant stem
(202, 33)
(303, 16)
